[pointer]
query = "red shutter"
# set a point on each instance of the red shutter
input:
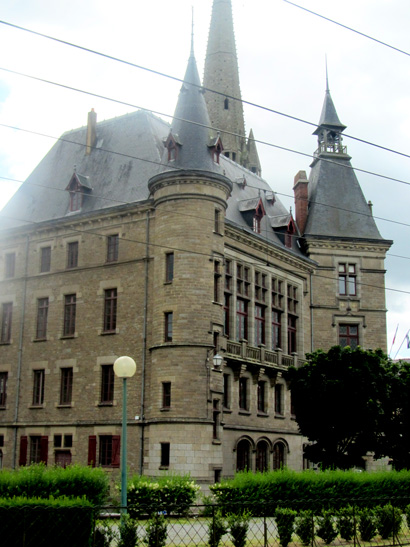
(92, 450)
(23, 450)
(116, 449)
(44, 449)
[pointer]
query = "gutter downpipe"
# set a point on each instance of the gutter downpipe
(311, 313)
(20, 357)
(144, 344)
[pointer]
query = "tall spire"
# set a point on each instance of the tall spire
(221, 74)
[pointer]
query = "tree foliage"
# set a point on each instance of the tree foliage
(349, 402)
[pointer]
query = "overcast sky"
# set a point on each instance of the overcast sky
(281, 51)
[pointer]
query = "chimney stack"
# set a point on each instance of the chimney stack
(300, 190)
(91, 131)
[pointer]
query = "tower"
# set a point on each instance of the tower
(221, 74)
(340, 234)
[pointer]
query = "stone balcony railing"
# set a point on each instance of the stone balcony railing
(260, 355)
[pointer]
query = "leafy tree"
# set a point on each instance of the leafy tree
(340, 399)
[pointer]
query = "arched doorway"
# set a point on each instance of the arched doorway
(243, 455)
(262, 451)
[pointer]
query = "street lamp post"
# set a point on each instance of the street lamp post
(124, 367)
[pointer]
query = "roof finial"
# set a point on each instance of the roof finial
(192, 33)
(327, 79)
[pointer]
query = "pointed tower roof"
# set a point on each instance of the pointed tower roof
(337, 206)
(253, 163)
(190, 134)
(222, 75)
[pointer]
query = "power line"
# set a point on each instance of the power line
(163, 74)
(348, 28)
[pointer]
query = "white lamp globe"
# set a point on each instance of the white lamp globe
(125, 367)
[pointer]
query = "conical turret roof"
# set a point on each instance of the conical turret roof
(191, 126)
(329, 117)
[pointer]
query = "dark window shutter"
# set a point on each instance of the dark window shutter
(92, 450)
(44, 449)
(23, 450)
(116, 449)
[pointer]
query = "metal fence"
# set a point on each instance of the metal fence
(370, 523)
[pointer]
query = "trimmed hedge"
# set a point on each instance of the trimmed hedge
(38, 522)
(42, 482)
(325, 489)
(171, 493)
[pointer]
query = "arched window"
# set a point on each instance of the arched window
(243, 455)
(279, 456)
(262, 451)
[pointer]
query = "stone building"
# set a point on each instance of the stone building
(133, 237)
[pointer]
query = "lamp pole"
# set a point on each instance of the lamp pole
(124, 367)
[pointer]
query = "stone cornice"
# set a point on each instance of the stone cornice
(339, 244)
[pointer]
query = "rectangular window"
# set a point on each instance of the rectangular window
(277, 293)
(279, 399)
(217, 221)
(261, 396)
(109, 453)
(66, 387)
(292, 346)
(169, 267)
(168, 326)
(349, 336)
(58, 441)
(260, 287)
(276, 329)
(259, 324)
(241, 319)
(45, 259)
(215, 419)
(110, 310)
(6, 317)
(227, 304)
(10, 265)
(217, 276)
(38, 387)
(42, 314)
(107, 384)
(292, 299)
(347, 279)
(3, 389)
(35, 449)
(70, 303)
(227, 391)
(112, 248)
(242, 280)
(165, 453)
(166, 394)
(243, 393)
(72, 254)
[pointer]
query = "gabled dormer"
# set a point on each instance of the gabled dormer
(253, 212)
(216, 147)
(78, 187)
(172, 144)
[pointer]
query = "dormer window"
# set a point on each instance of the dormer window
(171, 144)
(78, 187)
(290, 232)
(259, 214)
(216, 148)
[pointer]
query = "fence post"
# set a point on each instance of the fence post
(265, 532)
(354, 524)
(313, 527)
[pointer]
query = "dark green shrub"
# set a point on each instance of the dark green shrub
(156, 531)
(367, 524)
(238, 526)
(42, 482)
(388, 520)
(305, 527)
(171, 493)
(346, 523)
(216, 529)
(285, 519)
(38, 522)
(128, 532)
(326, 527)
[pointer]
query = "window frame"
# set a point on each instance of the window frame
(6, 322)
(168, 326)
(243, 398)
(113, 243)
(169, 267)
(110, 310)
(3, 388)
(66, 386)
(45, 259)
(349, 336)
(261, 396)
(38, 387)
(165, 455)
(42, 318)
(70, 311)
(279, 400)
(166, 395)
(347, 279)
(107, 385)
(10, 265)
(260, 324)
(72, 255)
(241, 319)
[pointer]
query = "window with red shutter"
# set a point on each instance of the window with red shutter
(116, 449)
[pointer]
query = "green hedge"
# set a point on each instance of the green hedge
(38, 522)
(171, 493)
(326, 489)
(42, 482)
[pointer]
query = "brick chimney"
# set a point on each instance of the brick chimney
(91, 131)
(300, 190)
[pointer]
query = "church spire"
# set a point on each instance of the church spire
(221, 74)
